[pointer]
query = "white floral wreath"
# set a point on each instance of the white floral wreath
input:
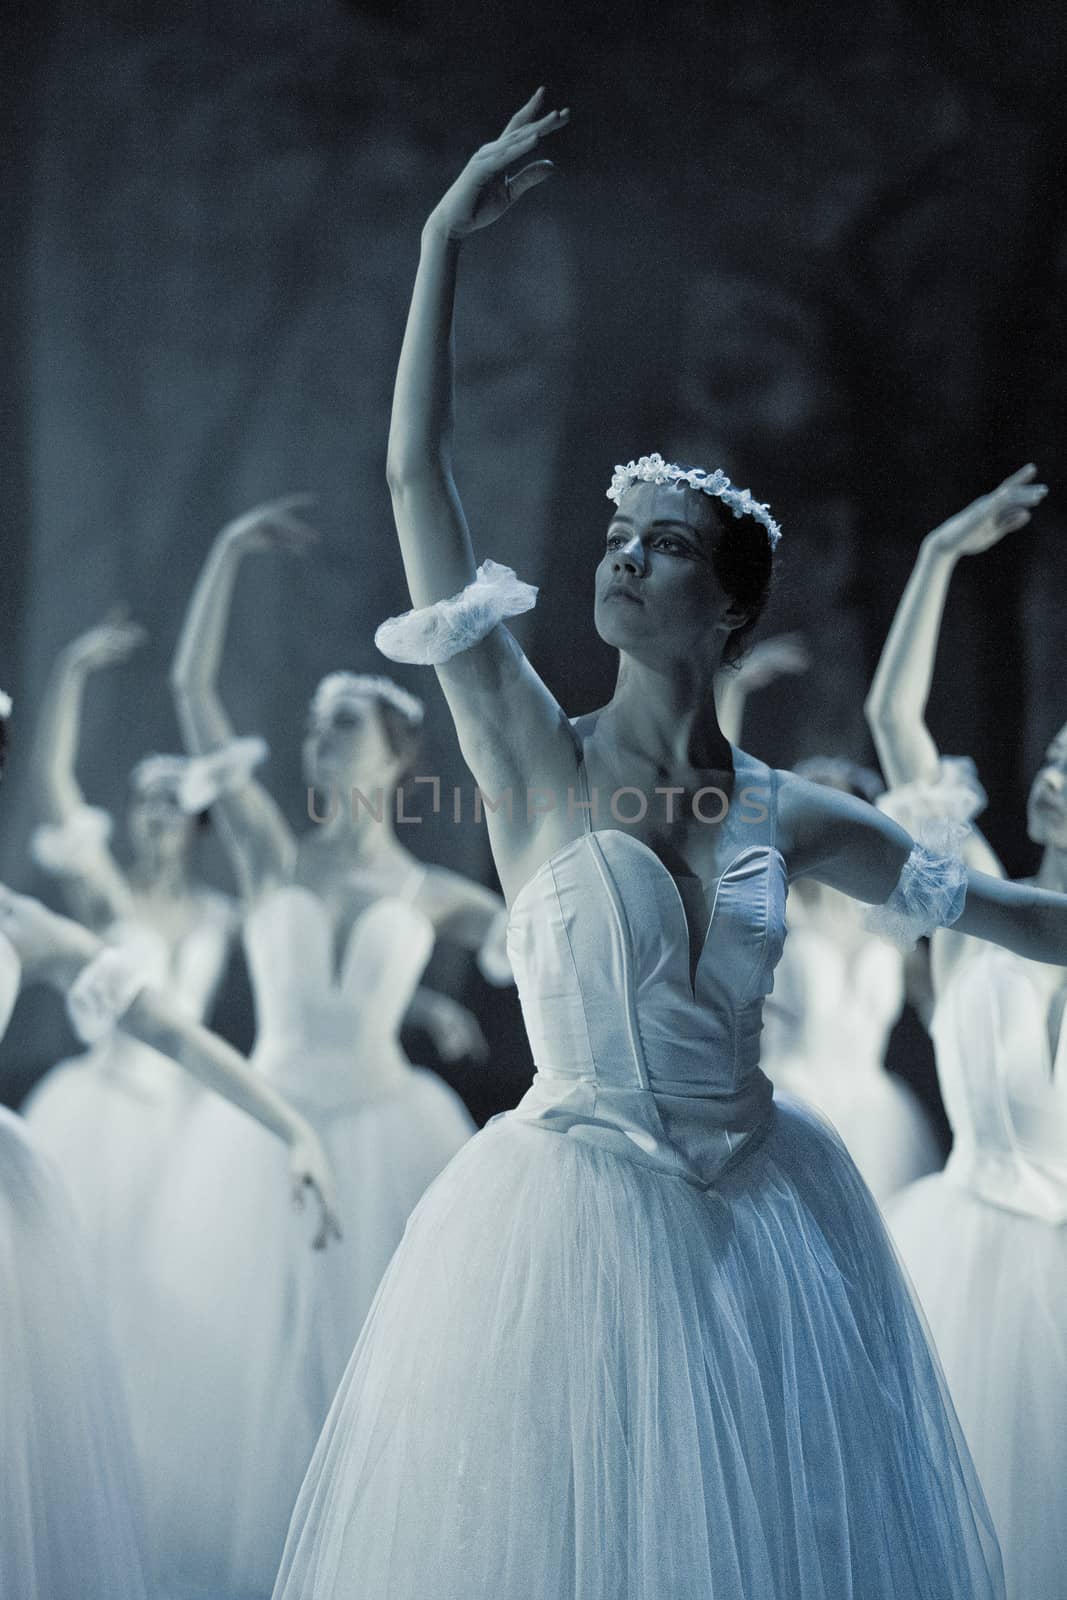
(653, 469)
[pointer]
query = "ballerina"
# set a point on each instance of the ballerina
(70, 1506)
(646, 1335)
(838, 990)
(178, 931)
(985, 1242)
(339, 924)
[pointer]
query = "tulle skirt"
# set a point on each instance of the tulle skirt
(69, 1508)
(585, 1380)
(993, 1286)
(251, 1330)
(882, 1124)
(108, 1120)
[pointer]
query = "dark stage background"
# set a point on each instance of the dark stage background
(823, 247)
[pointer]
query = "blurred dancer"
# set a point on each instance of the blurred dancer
(70, 1505)
(986, 1241)
(175, 930)
(339, 924)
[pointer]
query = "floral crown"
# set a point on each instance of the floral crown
(337, 687)
(653, 469)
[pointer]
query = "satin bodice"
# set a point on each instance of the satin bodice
(1004, 1090)
(635, 1053)
(328, 1034)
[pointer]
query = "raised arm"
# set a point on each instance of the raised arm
(900, 689)
(72, 843)
(102, 989)
(510, 728)
(257, 837)
(786, 653)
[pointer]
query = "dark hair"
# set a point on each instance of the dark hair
(402, 735)
(744, 565)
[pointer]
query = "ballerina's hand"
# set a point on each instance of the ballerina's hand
(490, 184)
(455, 1031)
(272, 526)
(108, 644)
(39, 935)
(309, 1168)
(985, 522)
(786, 653)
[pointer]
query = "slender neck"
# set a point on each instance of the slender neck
(161, 875)
(1052, 873)
(362, 827)
(666, 713)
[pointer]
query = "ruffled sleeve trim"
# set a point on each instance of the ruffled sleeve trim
(943, 808)
(930, 893)
(65, 847)
(102, 993)
(436, 633)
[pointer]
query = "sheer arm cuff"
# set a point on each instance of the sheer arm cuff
(939, 810)
(492, 960)
(62, 848)
(930, 894)
(438, 632)
(102, 993)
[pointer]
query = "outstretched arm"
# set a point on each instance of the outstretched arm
(510, 729)
(900, 689)
(766, 661)
(93, 884)
(257, 837)
(54, 950)
(853, 847)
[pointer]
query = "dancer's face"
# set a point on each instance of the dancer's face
(1046, 812)
(156, 823)
(656, 589)
(348, 748)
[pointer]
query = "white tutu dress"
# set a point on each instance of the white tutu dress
(838, 990)
(985, 1243)
(108, 1117)
(255, 1327)
(70, 1526)
(646, 1337)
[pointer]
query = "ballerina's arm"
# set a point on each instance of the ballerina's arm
(54, 950)
(855, 848)
(785, 653)
(72, 843)
(509, 726)
(258, 839)
(900, 689)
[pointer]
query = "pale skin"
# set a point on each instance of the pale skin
(896, 709)
(158, 889)
(660, 725)
(351, 858)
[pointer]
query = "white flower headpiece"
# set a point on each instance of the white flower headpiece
(653, 469)
(338, 687)
(5, 706)
(198, 781)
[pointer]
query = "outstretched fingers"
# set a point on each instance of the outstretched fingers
(527, 112)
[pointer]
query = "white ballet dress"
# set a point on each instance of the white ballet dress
(645, 1337)
(838, 990)
(70, 1520)
(256, 1327)
(985, 1243)
(109, 1116)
